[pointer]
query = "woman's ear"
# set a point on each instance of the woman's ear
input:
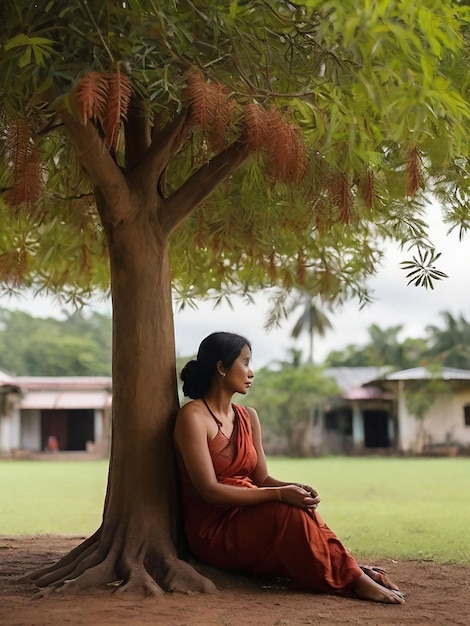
(220, 368)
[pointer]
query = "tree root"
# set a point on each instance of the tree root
(182, 577)
(68, 560)
(80, 565)
(119, 566)
(94, 577)
(140, 581)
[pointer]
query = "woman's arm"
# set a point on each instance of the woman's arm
(261, 475)
(191, 436)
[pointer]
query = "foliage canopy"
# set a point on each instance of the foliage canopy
(361, 105)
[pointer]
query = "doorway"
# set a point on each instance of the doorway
(72, 428)
(376, 433)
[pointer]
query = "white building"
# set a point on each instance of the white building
(39, 414)
(374, 414)
(445, 423)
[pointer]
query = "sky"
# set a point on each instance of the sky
(394, 303)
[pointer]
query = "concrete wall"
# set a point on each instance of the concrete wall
(443, 425)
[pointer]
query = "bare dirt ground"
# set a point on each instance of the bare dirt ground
(438, 594)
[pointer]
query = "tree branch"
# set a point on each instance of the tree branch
(101, 168)
(165, 142)
(137, 133)
(201, 184)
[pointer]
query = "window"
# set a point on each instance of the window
(466, 415)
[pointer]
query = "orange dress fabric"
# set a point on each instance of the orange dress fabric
(270, 539)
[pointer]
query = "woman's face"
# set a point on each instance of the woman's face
(240, 375)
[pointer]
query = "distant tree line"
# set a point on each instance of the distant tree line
(78, 345)
(447, 346)
(289, 393)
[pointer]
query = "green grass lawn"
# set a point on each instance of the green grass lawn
(379, 507)
(51, 497)
(391, 507)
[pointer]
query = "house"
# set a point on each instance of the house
(362, 418)
(373, 414)
(67, 414)
(444, 395)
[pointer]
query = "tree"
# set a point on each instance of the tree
(79, 345)
(312, 320)
(449, 346)
(420, 395)
(221, 108)
(383, 348)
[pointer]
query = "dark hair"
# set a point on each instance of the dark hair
(197, 373)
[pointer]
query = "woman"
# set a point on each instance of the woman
(236, 515)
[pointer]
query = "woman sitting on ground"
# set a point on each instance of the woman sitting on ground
(236, 515)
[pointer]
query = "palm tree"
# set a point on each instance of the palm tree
(384, 347)
(450, 345)
(312, 320)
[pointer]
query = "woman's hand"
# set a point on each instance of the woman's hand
(313, 492)
(302, 496)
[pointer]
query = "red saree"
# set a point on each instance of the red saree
(271, 538)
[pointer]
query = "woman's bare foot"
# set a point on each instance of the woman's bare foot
(379, 575)
(367, 589)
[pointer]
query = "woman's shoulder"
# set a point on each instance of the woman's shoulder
(190, 419)
(188, 411)
(249, 413)
(192, 407)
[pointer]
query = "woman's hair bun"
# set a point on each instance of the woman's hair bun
(193, 385)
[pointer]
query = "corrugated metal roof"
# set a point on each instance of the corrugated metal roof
(63, 382)
(368, 392)
(65, 400)
(5, 379)
(422, 373)
(349, 378)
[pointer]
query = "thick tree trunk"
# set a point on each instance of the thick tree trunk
(134, 549)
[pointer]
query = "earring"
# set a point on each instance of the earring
(222, 373)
